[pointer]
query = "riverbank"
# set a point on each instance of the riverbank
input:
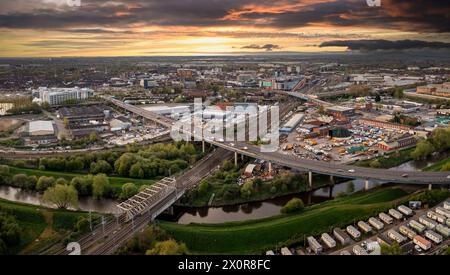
(40, 226)
(436, 167)
(255, 236)
(389, 160)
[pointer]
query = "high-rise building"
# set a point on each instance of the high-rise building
(57, 96)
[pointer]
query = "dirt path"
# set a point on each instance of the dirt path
(46, 234)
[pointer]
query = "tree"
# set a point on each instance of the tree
(247, 189)
(66, 123)
(4, 170)
(394, 249)
(169, 247)
(123, 164)
(83, 185)
(100, 186)
(61, 181)
(350, 187)
(375, 164)
(423, 149)
(74, 165)
(62, 196)
(20, 180)
(44, 183)
(101, 166)
(398, 93)
(93, 137)
(227, 165)
(292, 206)
(445, 167)
(441, 139)
(203, 188)
(136, 171)
(9, 232)
(128, 190)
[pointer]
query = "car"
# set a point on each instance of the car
(340, 170)
(232, 144)
(244, 148)
(417, 248)
(448, 177)
(351, 171)
(405, 175)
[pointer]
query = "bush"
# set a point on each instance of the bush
(44, 183)
(128, 190)
(101, 166)
(292, 206)
(4, 170)
(20, 180)
(203, 188)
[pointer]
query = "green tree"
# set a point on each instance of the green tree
(394, 249)
(44, 183)
(445, 167)
(100, 186)
(123, 164)
(10, 233)
(136, 171)
(101, 166)
(441, 139)
(61, 181)
(4, 170)
(227, 165)
(375, 164)
(398, 93)
(203, 188)
(128, 190)
(293, 206)
(350, 187)
(93, 137)
(169, 247)
(423, 149)
(62, 196)
(83, 185)
(20, 180)
(247, 189)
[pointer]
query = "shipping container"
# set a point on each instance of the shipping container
(358, 250)
(430, 224)
(352, 231)
(394, 213)
(394, 235)
(405, 210)
(341, 236)
(328, 240)
(435, 216)
(443, 230)
(422, 242)
(385, 218)
(376, 223)
(435, 237)
(364, 226)
(407, 232)
(420, 228)
(443, 211)
(315, 246)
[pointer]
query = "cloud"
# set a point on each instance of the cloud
(373, 45)
(266, 47)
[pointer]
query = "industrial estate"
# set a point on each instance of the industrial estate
(335, 153)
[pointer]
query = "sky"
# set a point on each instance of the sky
(51, 28)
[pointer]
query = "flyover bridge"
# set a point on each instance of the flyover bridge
(311, 166)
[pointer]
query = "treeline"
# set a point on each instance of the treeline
(24, 105)
(10, 233)
(438, 142)
(97, 186)
(154, 161)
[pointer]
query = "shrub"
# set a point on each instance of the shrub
(292, 206)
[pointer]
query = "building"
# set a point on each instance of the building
(185, 73)
(40, 132)
(397, 142)
(148, 83)
(292, 123)
(57, 96)
(383, 124)
(119, 124)
(435, 237)
(82, 115)
(341, 236)
(340, 111)
(435, 89)
(248, 172)
(315, 246)
(328, 240)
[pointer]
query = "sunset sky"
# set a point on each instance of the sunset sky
(38, 28)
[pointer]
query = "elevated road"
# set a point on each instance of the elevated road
(312, 166)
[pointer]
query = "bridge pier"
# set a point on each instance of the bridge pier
(310, 179)
(332, 179)
(430, 186)
(235, 159)
(203, 146)
(270, 167)
(366, 185)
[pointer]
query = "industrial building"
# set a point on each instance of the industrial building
(57, 96)
(289, 126)
(340, 111)
(40, 132)
(435, 89)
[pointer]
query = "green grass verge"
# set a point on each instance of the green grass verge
(32, 222)
(437, 166)
(255, 236)
(390, 160)
(114, 181)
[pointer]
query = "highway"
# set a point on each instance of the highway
(319, 167)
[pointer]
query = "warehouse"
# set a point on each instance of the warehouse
(289, 126)
(340, 111)
(41, 128)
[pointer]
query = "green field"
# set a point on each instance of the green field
(256, 236)
(115, 181)
(32, 221)
(437, 166)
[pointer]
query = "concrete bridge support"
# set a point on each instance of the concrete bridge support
(203, 146)
(366, 185)
(270, 167)
(332, 179)
(235, 159)
(430, 186)
(310, 179)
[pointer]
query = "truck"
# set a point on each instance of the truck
(328, 240)
(418, 227)
(315, 246)
(358, 250)
(422, 242)
(394, 235)
(435, 216)
(396, 214)
(405, 210)
(352, 231)
(443, 230)
(364, 227)
(430, 224)
(407, 232)
(435, 237)
(385, 218)
(376, 223)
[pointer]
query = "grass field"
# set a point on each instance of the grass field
(115, 181)
(256, 236)
(437, 166)
(32, 221)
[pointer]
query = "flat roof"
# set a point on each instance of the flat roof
(41, 125)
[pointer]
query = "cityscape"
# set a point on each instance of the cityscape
(229, 128)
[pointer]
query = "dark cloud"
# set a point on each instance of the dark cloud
(406, 15)
(374, 45)
(266, 47)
